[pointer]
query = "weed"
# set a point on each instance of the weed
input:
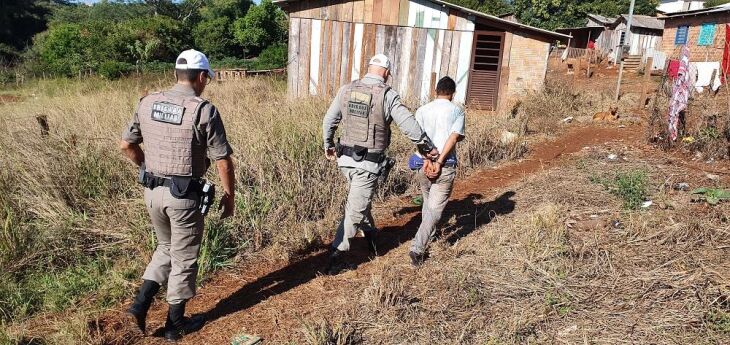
(325, 333)
(713, 196)
(719, 320)
(631, 186)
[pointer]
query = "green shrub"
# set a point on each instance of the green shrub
(112, 70)
(630, 186)
(274, 56)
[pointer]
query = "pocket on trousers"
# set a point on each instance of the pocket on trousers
(188, 203)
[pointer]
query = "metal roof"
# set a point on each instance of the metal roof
(485, 16)
(711, 10)
(601, 19)
(645, 22)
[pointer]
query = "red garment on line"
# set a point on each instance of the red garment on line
(726, 55)
(591, 44)
(673, 69)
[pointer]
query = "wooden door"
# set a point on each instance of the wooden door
(486, 65)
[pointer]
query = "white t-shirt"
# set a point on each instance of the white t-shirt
(439, 119)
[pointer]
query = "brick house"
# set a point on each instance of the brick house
(493, 60)
(703, 31)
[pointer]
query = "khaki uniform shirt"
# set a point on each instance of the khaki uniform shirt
(394, 111)
(215, 132)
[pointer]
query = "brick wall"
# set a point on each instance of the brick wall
(697, 53)
(527, 65)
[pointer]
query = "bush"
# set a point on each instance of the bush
(631, 186)
(272, 57)
(112, 70)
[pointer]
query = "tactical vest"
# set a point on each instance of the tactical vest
(171, 144)
(363, 116)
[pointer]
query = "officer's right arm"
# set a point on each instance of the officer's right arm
(331, 120)
(408, 125)
(220, 150)
(131, 138)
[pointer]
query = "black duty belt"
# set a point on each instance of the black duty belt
(375, 157)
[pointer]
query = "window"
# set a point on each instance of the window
(622, 40)
(707, 34)
(681, 37)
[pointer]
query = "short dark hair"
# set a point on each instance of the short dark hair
(446, 86)
(188, 75)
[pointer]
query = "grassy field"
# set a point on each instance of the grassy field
(75, 236)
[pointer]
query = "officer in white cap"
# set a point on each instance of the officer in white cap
(173, 137)
(365, 110)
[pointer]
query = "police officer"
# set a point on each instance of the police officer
(177, 129)
(365, 109)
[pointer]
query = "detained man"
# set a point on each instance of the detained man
(443, 122)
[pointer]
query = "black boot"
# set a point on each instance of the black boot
(142, 303)
(177, 325)
(337, 263)
(370, 238)
(416, 259)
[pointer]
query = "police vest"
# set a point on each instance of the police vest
(169, 126)
(363, 116)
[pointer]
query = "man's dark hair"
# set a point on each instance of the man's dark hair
(446, 87)
(188, 75)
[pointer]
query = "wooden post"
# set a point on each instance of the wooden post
(43, 124)
(646, 82)
(433, 86)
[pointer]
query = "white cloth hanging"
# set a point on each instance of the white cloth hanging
(705, 71)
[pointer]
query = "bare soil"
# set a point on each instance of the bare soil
(271, 299)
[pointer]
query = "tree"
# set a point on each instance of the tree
(713, 3)
(264, 25)
(213, 34)
(494, 7)
(20, 20)
(553, 14)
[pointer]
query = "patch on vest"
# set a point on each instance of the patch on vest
(167, 112)
(359, 104)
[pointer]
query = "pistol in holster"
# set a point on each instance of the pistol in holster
(388, 165)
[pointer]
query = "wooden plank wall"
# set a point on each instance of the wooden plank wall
(325, 55)
(413, 13)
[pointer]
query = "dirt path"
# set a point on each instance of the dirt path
(267, 298)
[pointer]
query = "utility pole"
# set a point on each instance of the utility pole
(621, 48)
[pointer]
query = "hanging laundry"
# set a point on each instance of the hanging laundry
(708, 75)
(726, 55)
(680, 93)
(673, 69)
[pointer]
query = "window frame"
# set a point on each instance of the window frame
(677, 35)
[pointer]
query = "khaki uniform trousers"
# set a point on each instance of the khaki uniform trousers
(179, 230)
(435, 196)
(358, 215)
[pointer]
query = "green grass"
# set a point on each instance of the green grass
(631, 186)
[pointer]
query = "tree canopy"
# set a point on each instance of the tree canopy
(553, 14)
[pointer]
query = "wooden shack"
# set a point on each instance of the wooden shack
(492, 59)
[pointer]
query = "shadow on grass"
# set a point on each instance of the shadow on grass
(470, 213)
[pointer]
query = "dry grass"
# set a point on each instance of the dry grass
(69, 199)
(557, 271)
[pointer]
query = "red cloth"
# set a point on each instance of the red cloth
(673, 69)
(726, 55)
(591, 44)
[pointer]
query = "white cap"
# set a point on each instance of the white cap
(194, 60)
(380, 60)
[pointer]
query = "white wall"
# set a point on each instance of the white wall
(672, 6)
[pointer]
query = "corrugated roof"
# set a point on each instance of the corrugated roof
(601, 19)
(711, 10)
(646, 22)
(483, 15)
